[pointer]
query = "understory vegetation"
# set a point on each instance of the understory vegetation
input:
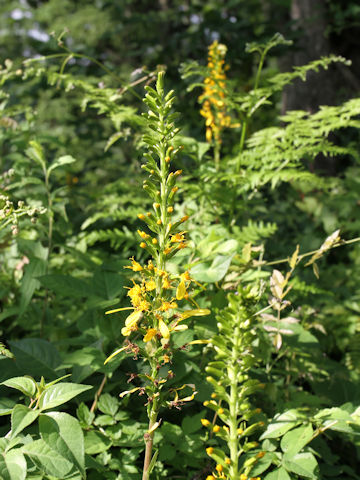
(179, 260)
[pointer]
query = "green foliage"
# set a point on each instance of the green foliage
(286, 384)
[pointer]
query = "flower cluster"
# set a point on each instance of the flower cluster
(234, 418)
(213, 98)
(155, 293)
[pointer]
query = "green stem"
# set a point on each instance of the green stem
(149, 435)
(217, 155)
(233, 407)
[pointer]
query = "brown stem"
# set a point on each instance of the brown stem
(98, 393)
(149, 441)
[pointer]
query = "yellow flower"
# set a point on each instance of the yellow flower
(150, 285)
(135, 267)
(165, 306)
(166, 283)
(209, 451)
(150, 334)
(216, 428)
(205, 422)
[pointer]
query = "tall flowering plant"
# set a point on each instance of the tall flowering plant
(155, 294)
(213, 98)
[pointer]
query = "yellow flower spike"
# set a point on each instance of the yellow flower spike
(205, 422)
(150, 334)
(164, 329)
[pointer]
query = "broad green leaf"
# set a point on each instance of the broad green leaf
(263, 464)
(108, 284)
(191, 424)
(47, 459)
(334, 413)
(60, 393)
(35, 356)
(96, 442)
(66, 285)
(59, 162)
(63, 433)
(6, 406)
(281, 424)
(293, 441)
(30, 283)
(13, 465)
(108, 404)
(303, 464)
(279, 474)
(26, 385)
(211, 273)
(21, 417)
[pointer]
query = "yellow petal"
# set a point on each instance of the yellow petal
(118, 310)
(133, 318)
(181, 290)
(150, 334)
(195, 313)
(114, 354)
(164, 329)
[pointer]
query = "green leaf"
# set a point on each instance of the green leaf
(30, 283)
(203, 272)
(191, 424)
(279, 474)
(96, 442)
(108, 404)
(36, 153)
(293, 441)
(60, 393)
(21, 417)
(66, 285)
(63, 433)
(85, 416)
(26, 385)
(59, 162)
(47, 459)
(13, 465)
(303, 464)
(282, 424)
(36, 357)
(6, 406)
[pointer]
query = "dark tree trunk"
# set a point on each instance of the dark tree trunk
(308, 24)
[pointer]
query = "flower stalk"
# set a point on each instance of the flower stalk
(155, 293)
